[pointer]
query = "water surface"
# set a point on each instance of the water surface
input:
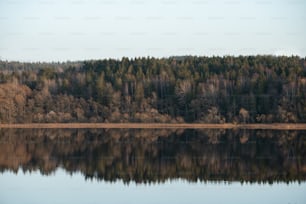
(152, 166)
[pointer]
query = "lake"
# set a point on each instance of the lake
(152, 166)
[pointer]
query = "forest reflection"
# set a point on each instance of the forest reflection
(148, 155)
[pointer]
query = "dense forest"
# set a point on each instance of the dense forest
(244, 89)
(158, 155)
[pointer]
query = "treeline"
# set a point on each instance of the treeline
(158, 155)
(245, 89)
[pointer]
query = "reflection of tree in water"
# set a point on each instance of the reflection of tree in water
(157, 155)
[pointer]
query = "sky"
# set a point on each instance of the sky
(61, 30)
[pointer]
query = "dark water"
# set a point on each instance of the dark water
(152, 166)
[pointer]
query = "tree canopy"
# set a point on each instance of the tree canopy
(244, 89)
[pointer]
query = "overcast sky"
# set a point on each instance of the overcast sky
(60, 30)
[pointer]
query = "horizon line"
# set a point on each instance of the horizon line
(151, 57)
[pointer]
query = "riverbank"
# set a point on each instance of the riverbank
(273, 126)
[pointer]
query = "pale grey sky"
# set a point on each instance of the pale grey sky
(60, 30)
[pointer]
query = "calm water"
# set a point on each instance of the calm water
(152, 166)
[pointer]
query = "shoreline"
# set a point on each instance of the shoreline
(272, 126)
